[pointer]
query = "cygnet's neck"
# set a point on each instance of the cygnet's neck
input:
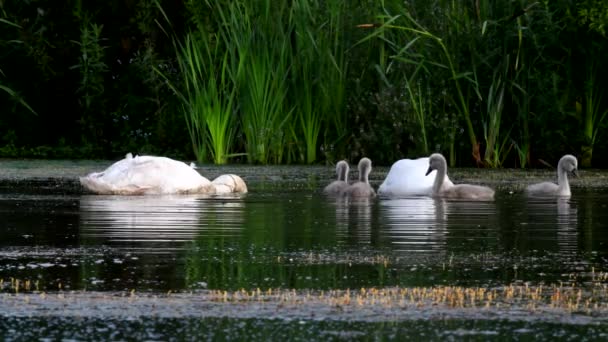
(364, 171)
(563, 186)
(439, 177)
(343, 172)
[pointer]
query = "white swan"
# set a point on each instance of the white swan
(150, 175)
(338, 186)
(458, 191)
(406, 178)
(566, 164)
(361, 188)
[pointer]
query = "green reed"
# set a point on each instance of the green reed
(12, 93)
(318, 73)
(92, 68)
(258, 49)
(494, 155)
(592, 114)
(411, 53)
(207, 94)
(208, 103)
(421, 107)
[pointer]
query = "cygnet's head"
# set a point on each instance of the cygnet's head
(365, 163)
(436, 162)
(365, 168)
(568, 163)
(342, 170)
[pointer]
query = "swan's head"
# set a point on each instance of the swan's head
(436, 162)
(568, 163)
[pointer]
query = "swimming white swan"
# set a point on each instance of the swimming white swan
(338, 186)
(406, 178)
(458, 191)
(361, 188)
(149, 175)
(566, 164)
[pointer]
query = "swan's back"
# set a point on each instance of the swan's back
(407, 178)
(360, 189)
(567, 164)
(543, 189)
(147, 175)
(468, 192)
(338, 186)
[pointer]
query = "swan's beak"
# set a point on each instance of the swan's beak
(575, 172)
(429, 171)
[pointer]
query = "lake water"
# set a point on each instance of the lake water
(284, 262)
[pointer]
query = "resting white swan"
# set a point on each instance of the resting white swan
(149, 175)
(338, 186)
(458, 191)
(361, 188)
(567, 163)
(406, 178)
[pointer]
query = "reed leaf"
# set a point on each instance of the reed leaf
(444, 60)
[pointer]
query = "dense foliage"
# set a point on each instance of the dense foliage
(303, 81)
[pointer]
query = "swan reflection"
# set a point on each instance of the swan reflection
(567, 221)
(354, 218)
(160, 218)
(554, 217)
(415, 224)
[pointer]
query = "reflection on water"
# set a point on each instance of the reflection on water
(415, 224)
(567, 220)
(149, 219)
(553, 220)
(300, 239)
(353, 218)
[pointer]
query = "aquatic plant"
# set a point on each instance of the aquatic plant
(591, 113)
(419, 103)
(317, 72)
(208, 103)
(258, 49)
(92, 70)
(12, 93)
(495, 150)
(444, 60)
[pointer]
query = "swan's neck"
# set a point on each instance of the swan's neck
(439, 178)
(563, 186)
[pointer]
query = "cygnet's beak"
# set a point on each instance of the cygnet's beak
(430, 169)
(575, 172)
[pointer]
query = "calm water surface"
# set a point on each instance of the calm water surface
(286, 234)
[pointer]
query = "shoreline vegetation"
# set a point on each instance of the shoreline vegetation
(508, 85)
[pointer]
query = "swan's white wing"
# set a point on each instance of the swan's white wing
(146, 175)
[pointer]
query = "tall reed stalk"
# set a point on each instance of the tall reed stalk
(419, 104)
(494, 154)
(318, 71)
(92, 69)
(410, 55)
(592, 114)
(208, 99)
(259, 60)
(207, 94)
(12, 93)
